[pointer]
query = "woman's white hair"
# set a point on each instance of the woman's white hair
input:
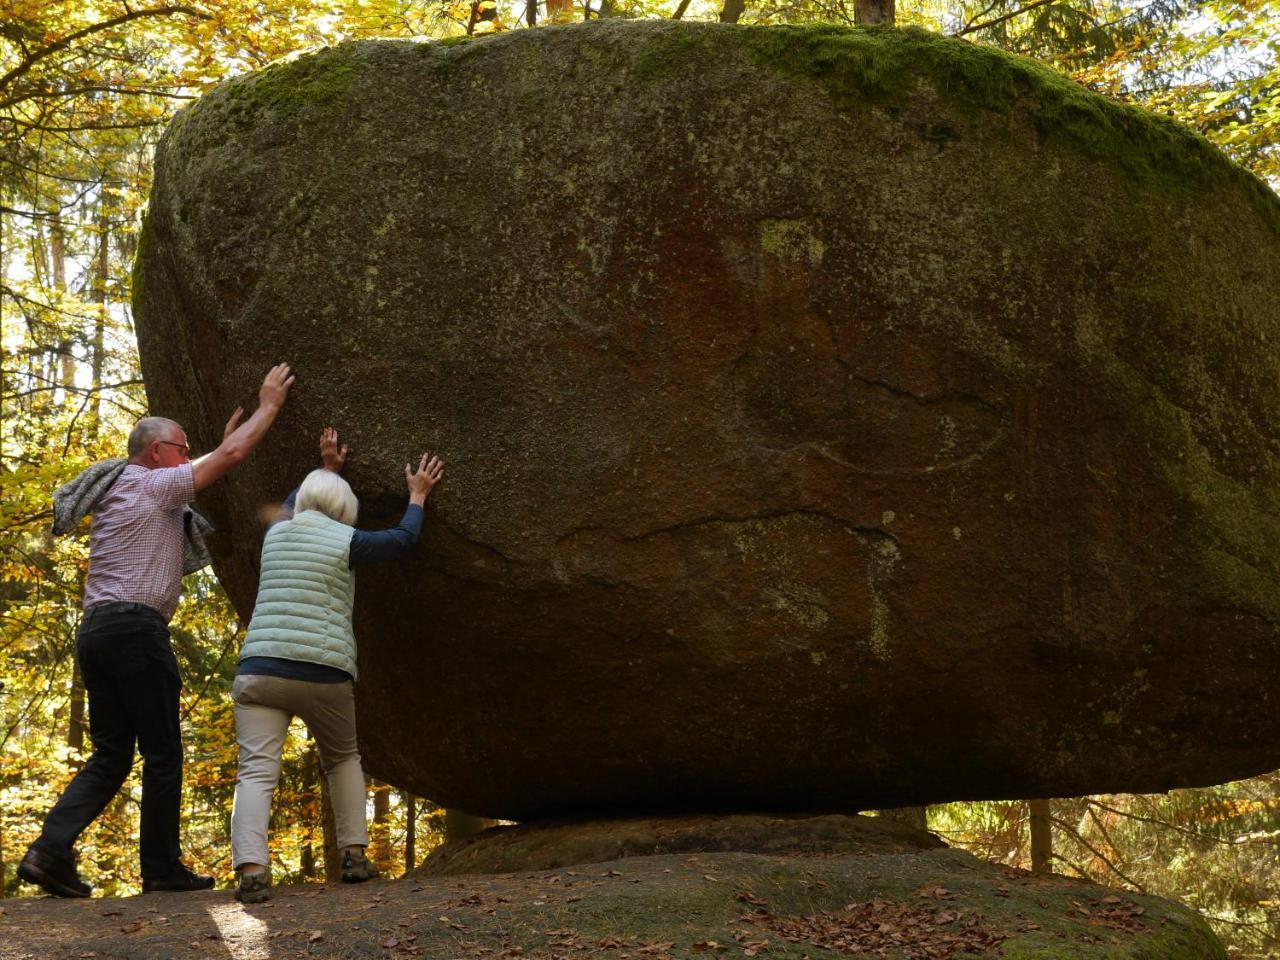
(327, 492)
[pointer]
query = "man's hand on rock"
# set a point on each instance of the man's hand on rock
(275, 388)
(333, 457)
(423, 479)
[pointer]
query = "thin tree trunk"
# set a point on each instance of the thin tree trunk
(39, 255)
(2, 864)
(332, 861)
(4, 373)
(101, 277)
(75, 720)
(873, 12)
(67, 378)
(308, 859)
(410, 831)
(58, 262)
(1041, 837)
(458, 824)
(531, 12)
(917, 817)
(310, 776)
(684, 5)
(58, 251)
(732, 10)
(38, 403)
(380, 830)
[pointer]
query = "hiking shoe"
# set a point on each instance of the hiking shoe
(52, 873)
(356, 867)
(254, 887)
(181, 880)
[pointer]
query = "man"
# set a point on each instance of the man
(130, 673)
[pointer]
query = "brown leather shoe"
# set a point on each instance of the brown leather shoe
(52, 873)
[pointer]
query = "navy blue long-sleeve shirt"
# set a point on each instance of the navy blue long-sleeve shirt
(371, 546)
(367, 546)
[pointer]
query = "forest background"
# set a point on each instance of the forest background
(86, 87)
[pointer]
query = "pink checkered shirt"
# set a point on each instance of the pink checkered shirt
(136, 540)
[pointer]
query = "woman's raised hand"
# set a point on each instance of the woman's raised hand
(424, 478)
(331, 456)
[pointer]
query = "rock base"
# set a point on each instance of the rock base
(792, 886)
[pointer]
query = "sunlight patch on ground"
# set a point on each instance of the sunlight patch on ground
(245, 935)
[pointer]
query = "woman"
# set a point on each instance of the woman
(299, 658)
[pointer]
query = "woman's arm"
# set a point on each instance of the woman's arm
(374, 546)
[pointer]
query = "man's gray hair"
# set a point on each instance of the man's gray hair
(148, 430)
(327, 492)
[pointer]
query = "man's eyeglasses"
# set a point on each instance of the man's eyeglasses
(186, 451)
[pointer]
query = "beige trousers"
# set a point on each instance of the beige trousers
(264, 707)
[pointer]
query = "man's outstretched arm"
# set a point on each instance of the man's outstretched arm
(239, 443)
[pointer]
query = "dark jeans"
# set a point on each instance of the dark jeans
(131, 677)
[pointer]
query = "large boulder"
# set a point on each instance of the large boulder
(833, 418)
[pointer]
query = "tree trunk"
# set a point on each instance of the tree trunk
(732, 10)
(410, 831)
(2, 866)
(308, 859)
(4, 372)
(379, 851)
(917, 817)
(873, 12)
(458, 825)
(67, 378)
(559, 11)
(1041, 837)
(101, 276)
(531, 12)
(75, 720)
(58, 251)
(332, 861)
(310, 776)
(58, 262)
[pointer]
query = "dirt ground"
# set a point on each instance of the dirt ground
(925, 905)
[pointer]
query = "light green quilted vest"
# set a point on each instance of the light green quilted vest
(305, 594)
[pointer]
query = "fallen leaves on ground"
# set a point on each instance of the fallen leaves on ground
(1111, 912)
(878, 927)
(566, 940)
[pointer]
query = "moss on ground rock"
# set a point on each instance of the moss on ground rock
(644, 908)
(804, 882)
